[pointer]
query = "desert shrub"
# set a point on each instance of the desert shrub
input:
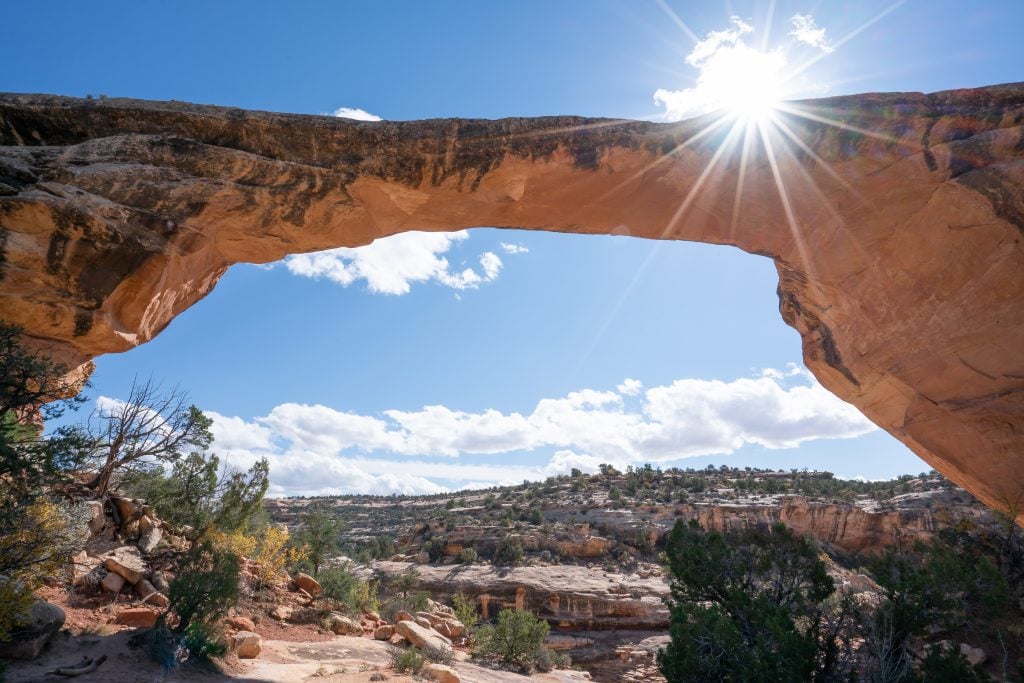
(439, 655)
(160, 644)
(274, 553)
(319, 533)
(37, 534)
(199, 494)
(48, 532)
(509, 552)
(406, 660)
(749, 607)
(206, 586)
(235, 542)
(515, 640)
(464, 608)
(349, 592)
(204, 641)
(547, 660)
(434, 548)
(467, 556)
(405, 582)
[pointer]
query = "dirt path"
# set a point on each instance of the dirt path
(340, 660)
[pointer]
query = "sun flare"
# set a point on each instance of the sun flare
(744, 81)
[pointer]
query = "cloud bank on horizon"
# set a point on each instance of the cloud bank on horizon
(318, 450)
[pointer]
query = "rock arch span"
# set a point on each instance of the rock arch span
(897, 234)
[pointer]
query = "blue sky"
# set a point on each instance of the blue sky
(405, 373)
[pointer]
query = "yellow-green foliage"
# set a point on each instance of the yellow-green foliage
(274, 554)
(235, 542)
(38, 543)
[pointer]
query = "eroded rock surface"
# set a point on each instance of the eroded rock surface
(897, 237)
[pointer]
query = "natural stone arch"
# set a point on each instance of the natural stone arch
(898, 246)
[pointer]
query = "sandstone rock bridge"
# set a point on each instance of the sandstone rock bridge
(895, 222)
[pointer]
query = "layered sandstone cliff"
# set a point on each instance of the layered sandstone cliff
(895, 222)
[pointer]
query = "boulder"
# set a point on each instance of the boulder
(439, 673)
(160, 582)
(422, 637)
(137, 617)
(112, 582)
(281, 612)
(246, 644)
(450, 628)
(28, 638)
(128, 509)
(127, 562)
(383, 632)
(82, 570)
(403, 616)
(240, 623)
(149, 538)
(97, 516)
(423, 558)
(425, 623)
(150, 595)
(439, 608)
(975, 655)
(308, 584)
(343, 626)
(145, 522)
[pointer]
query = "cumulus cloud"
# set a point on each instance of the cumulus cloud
(391, 265)
(630, 387)
(727, 67)
(807, 31)
(314, 447)
(732, 74)
(353, 113)
(510, 248)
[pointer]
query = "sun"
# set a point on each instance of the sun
(744, 81)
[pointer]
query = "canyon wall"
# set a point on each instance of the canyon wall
(895, 222)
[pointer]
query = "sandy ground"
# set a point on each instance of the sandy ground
(341, 659)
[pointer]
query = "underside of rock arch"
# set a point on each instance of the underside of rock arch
(895, 222)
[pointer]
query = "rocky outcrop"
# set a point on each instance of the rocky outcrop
(569, 597)
(846, 527)
(485, 539)
(895, 222)
(28, 637)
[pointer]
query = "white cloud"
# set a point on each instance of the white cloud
(357, 114)
(491, 264)
(510, 248)
(730, 71)
(734, 75)
(806, 31)
(391, 265)
(316, 448)
(630, 387)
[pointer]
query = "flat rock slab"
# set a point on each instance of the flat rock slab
(126, 562)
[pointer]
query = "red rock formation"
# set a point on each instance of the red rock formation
(897, 237)
(846, 527)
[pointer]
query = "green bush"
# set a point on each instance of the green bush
(464, 608)
(206, 586)
(467, 556)
(348, 591)
(516, 640)
(509, 552)
(204, 642)
(406, 660)
(748, 607)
